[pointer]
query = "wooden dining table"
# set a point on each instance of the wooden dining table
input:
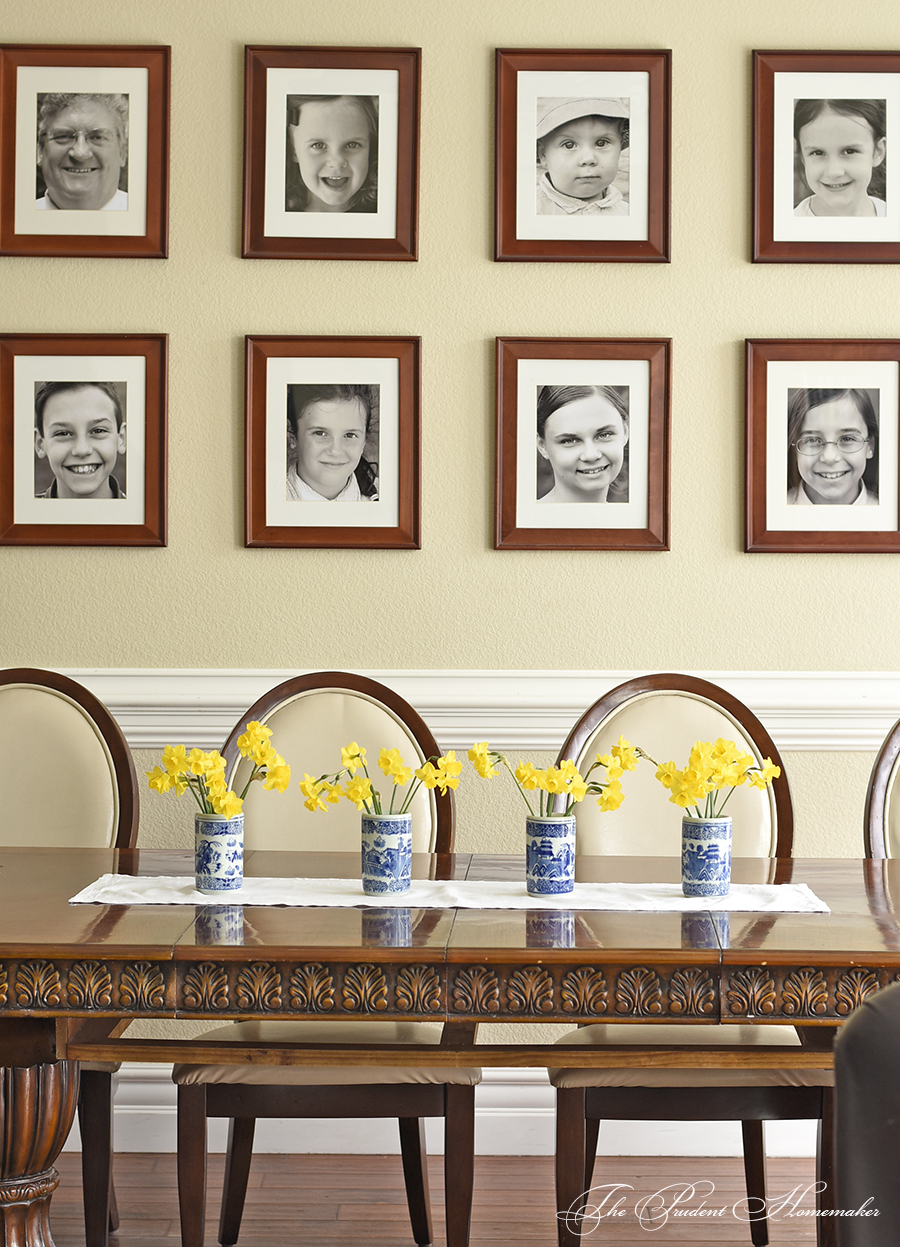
(73, 976)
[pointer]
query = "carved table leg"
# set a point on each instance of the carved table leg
(37, 1107)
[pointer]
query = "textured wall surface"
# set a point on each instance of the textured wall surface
(205, 601)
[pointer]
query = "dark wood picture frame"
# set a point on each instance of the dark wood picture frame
(777, 237)
(513, 175)
(18, 220)
(776, 371)
(648, 429)
(273, 363)
(68, 357)
(264, 155)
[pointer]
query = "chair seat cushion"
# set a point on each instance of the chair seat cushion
(362, 1033)
(681, 1036)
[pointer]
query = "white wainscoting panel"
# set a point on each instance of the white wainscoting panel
(803, 710)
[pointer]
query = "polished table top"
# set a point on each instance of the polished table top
(111, 962)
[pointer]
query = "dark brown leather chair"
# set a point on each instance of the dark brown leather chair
(867, 1122)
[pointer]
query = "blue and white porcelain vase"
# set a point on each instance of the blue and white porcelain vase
(550, 854)
(386, 853)
(218, 852)
(706, 856)
(220, 924)
(387, 928)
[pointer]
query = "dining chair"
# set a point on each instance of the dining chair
(881, 817)
(665, 714)
(84, 795)
(311, 717)
(867, 1119)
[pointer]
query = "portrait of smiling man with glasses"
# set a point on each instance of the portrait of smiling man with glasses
(82, 151)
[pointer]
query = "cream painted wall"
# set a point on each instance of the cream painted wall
(457, 603)
(206, 601)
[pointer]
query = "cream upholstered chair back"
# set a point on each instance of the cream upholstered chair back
(81, 791)
(311, 717)
(881, 824)
(665, 715)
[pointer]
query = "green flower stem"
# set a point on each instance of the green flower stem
(500, 758)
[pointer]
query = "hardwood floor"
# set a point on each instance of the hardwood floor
(356, 1200)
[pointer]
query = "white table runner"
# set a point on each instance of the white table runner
(450, 894)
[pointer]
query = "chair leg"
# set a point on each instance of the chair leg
(238, 1155)
(95, 1120)
(192, 1162)
(415, 1176)
(459, 1162)
(570, 1163)
(755, 1177)
(826, 1227)
(591, 1138)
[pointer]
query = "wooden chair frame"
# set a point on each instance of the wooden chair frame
(320, 681)
(580, 1110)
(875, 817)
(95, 1097)
(409, 1103)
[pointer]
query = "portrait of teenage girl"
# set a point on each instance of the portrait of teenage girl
(839, 148)
(832, 447)
(329, 430)
(582, 443)
(331, 159)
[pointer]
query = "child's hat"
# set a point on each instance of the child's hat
(557, 112)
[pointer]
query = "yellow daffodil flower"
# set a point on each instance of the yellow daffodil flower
(359, 791)
(626, 755)
(278, 775)
(611, 797)
(353, 757)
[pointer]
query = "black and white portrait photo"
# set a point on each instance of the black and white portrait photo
(825, 188)
(331, 153)
(582, 421)
(86, 170)
(582, 443)
(82, 152)
(79, 439)
(582, 156)
(85, 417)
(582, 142)
(331, 423)
(331, 161)
(823, 445)
(840, 148)
(832, 447)
(332, 443)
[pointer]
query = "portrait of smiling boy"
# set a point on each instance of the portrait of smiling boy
(79, 432)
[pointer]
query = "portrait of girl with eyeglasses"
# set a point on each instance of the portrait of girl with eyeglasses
(832, 447)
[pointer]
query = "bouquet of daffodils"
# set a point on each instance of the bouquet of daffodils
(563, 780)
(327, 790)
(204, 773)
(711, 770)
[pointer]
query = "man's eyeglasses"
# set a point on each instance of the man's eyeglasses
(847, 443)
(68, 138)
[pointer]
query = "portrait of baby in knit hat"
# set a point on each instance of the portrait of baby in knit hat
(582, 156)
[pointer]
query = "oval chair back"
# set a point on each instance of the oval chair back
(665, 714)
(312, 717)
(86, 793)
(881, 821)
